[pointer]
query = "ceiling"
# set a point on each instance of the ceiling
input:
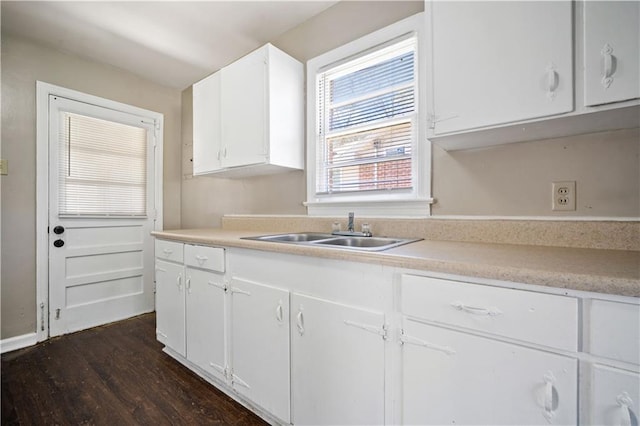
(173, 43)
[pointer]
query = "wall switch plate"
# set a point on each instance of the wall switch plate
(564, 195)
(4, 167)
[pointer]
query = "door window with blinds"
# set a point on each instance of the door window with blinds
(102, 167)
(366, 121)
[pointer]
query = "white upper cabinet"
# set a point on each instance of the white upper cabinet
(503, 72)
(206, 125)
(611, 51)
(499, 62)
(248, 117)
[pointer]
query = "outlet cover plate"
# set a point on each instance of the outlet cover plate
(564, 195)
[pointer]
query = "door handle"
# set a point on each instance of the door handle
(58, 230)
(58, 243)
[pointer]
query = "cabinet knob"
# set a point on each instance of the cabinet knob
(58, 243)
(58, 229)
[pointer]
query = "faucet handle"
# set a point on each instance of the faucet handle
(366, 230)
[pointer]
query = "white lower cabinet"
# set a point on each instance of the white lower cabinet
(615, 397)
(451, 377)
(260, 345)
(305, 341)
(337, 364)
(170, 305)
(205, 315)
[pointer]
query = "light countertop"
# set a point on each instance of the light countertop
(585, 269)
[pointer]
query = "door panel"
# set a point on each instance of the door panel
(205, 321)
(337, 366)
(100, 264)
(449, 377)
(260, 345)
(170, 305)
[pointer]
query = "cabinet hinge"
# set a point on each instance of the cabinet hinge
(406, 339)
(42, 317)
(57, 314)
(381, 331)
(237, 380)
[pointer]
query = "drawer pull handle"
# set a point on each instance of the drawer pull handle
(179, 282)
(549, 393)
(607, 65)
(476, 310)
(167, 251)
(279, 312)
(552, 81)
(188, 285)
(625, 402)
(201, 259)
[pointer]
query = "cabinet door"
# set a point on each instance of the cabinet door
(206, 125)
(337, 363)
(205, 321)
(450, 377)
(244, 110)
(260, 345)
(615, 397)
(170, 318)
(499, 62)
(611, 51)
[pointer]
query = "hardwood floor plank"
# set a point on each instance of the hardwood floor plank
(114, 374)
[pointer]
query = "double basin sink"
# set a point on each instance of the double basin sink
(336, 241)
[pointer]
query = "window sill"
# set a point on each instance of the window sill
(416, 208)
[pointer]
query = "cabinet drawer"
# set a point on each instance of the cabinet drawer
(210, 258)
(169, 250)
(614, 330)
(528, 316)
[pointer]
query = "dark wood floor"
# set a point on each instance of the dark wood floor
(110, 375)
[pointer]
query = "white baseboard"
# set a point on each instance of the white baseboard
(18, 342)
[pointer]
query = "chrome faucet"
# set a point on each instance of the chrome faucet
(350, 223)
(351, 232)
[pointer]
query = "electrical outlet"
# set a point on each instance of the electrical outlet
(4, 167)
(564, 195)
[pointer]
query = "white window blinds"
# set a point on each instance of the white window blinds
(102, 167)
(366, 121)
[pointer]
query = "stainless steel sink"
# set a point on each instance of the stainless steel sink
(302, 237)
(329, 240)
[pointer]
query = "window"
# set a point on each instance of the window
(366, 149)
(102, 167)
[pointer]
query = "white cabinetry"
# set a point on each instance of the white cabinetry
(205, 315)
(503, 72)
(499, 62)
(611, 383)
(463, 361)
(450, 377)
(260, 345)
(337, 363)
(248, 117)
(611, 51)
(207, 138)
(170, 318)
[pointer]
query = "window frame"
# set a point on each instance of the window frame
(414, 202)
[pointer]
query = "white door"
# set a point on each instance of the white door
(205, 316)
(611, 51)
(500, 62)
(170, 305)
(337, 363)
(449, 377)
(101, 213)
(260, 345)
(244, 110)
